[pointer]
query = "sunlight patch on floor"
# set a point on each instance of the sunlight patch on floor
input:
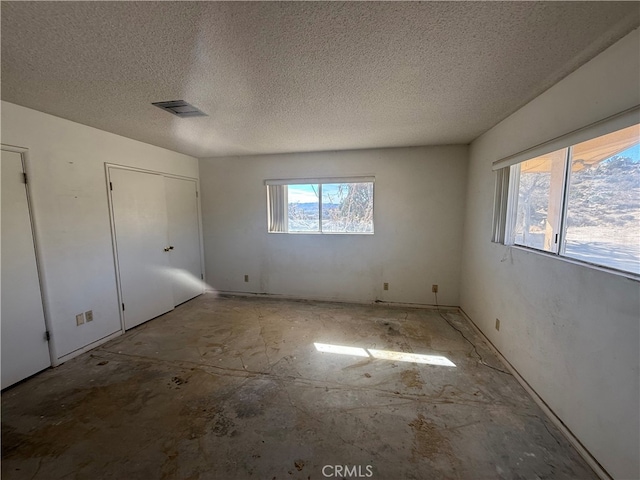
(385, 354)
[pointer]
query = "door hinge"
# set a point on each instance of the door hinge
(556, 240)
(47, 336)
(123, 307)
(110, 186)
(24, 177)
(196, 193)
(202, 276)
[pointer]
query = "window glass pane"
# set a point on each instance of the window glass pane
(540, 201)
(603, 211)
(303, 208)
(347, 207)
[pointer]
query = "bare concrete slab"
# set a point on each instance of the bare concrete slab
(240, 388)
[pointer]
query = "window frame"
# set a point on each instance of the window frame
(507, 177)
(369, 179)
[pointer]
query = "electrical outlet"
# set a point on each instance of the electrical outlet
(385, 286)
(89, 315)
(434, 288)
(246, 278)
(79, 319)
(498, 324)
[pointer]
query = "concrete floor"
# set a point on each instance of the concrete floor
(234, 388)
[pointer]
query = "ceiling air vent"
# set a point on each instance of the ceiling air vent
(180, 108)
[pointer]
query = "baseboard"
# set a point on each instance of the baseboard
(277, 296)
(568, 434)
(86, 348)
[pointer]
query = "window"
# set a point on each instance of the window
(336, 205)
(581, 201)
(538, 203)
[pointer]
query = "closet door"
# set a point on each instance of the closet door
(25, 350)
(140, 219)
(184, 238)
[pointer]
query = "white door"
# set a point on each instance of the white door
(25, 349)
(184, 238)
(140, 220)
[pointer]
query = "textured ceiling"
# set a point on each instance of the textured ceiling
(297, 76)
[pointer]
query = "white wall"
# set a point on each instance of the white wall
(418, 211)
(71, 213)
(571, 331)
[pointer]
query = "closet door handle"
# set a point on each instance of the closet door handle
(166, 249)
(170, 247)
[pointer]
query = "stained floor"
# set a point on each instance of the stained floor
(236, 388)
